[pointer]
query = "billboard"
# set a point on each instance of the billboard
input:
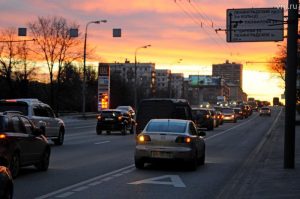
(201, 80)
(103, 86)
(255, 24)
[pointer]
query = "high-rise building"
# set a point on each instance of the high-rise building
(230, 72)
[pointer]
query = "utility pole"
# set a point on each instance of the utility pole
(290, 85)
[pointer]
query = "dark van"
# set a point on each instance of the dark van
(161, 108)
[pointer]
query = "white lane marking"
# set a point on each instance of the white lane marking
(175, 180)
(223, 132)
(66, 190)
(104, 142)
(64, 195)
(81, 188)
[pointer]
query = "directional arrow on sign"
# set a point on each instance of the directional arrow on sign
(173, 180)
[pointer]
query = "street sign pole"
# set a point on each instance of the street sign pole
(290, 85)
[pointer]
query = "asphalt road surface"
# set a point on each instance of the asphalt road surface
(102, 166)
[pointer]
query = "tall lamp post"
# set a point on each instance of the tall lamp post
(84, 60)
(135, 74)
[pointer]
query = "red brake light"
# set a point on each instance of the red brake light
(2, 136)
(11, 100)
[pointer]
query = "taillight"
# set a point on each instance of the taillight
(120, 118)
(2, 136)
(143, 138)
(207, 116)
(183, 139)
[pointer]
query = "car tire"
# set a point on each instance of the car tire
(15, 165)
(43, 165)
(124, 129)
(60, 139)
(202, 159)
(108, 132)
(211, 127)
(132, 129)
(193, 164)
(98, 131)
(139, 164)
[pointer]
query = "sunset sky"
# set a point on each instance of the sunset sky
(172, 28)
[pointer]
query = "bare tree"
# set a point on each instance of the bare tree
(26, 68)
(278, 63)
(55, 45)
(8, 57)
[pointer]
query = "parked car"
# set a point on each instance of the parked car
(202, 118)
(40, 114)
(162, 108)
(229, 115)
(114, 120)
(238, 113)
(129, 109)
(265, 111)
(6, 181)
(170, 139)
(22, 143)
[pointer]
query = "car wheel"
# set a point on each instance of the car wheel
(124, 129)
(15, 165)
(7, 193)
(98, 131)
(202, 158)
(60, 139)
(193, 163)
(211, 127)
(132, 129)
(43, 165)
(139, 164)
(108, 132)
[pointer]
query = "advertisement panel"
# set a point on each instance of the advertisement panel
(103, 86)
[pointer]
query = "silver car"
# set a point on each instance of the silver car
(170, 139)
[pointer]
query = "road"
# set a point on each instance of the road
(102, 166)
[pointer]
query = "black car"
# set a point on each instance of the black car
(239, 113)
(114, 120)
(161, 108)
(22, 143)
(203, 118)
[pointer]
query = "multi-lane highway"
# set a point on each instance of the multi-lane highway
(102, 166)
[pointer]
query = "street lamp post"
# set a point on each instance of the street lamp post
(135, 74)
(84, 60)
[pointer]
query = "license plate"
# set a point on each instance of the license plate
(109, 119)
(158, 154)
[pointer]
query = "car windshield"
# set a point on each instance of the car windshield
(166, 126)
(265, 109)
(199, 112)
(14, 106)
(110, 113)
(123, 107)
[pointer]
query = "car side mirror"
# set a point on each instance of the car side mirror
(201, 133)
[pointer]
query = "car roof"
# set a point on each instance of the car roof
(26, 100)
(169, 120)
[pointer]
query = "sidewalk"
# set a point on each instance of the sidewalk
(263, 176)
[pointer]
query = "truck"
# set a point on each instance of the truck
(276, 101)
